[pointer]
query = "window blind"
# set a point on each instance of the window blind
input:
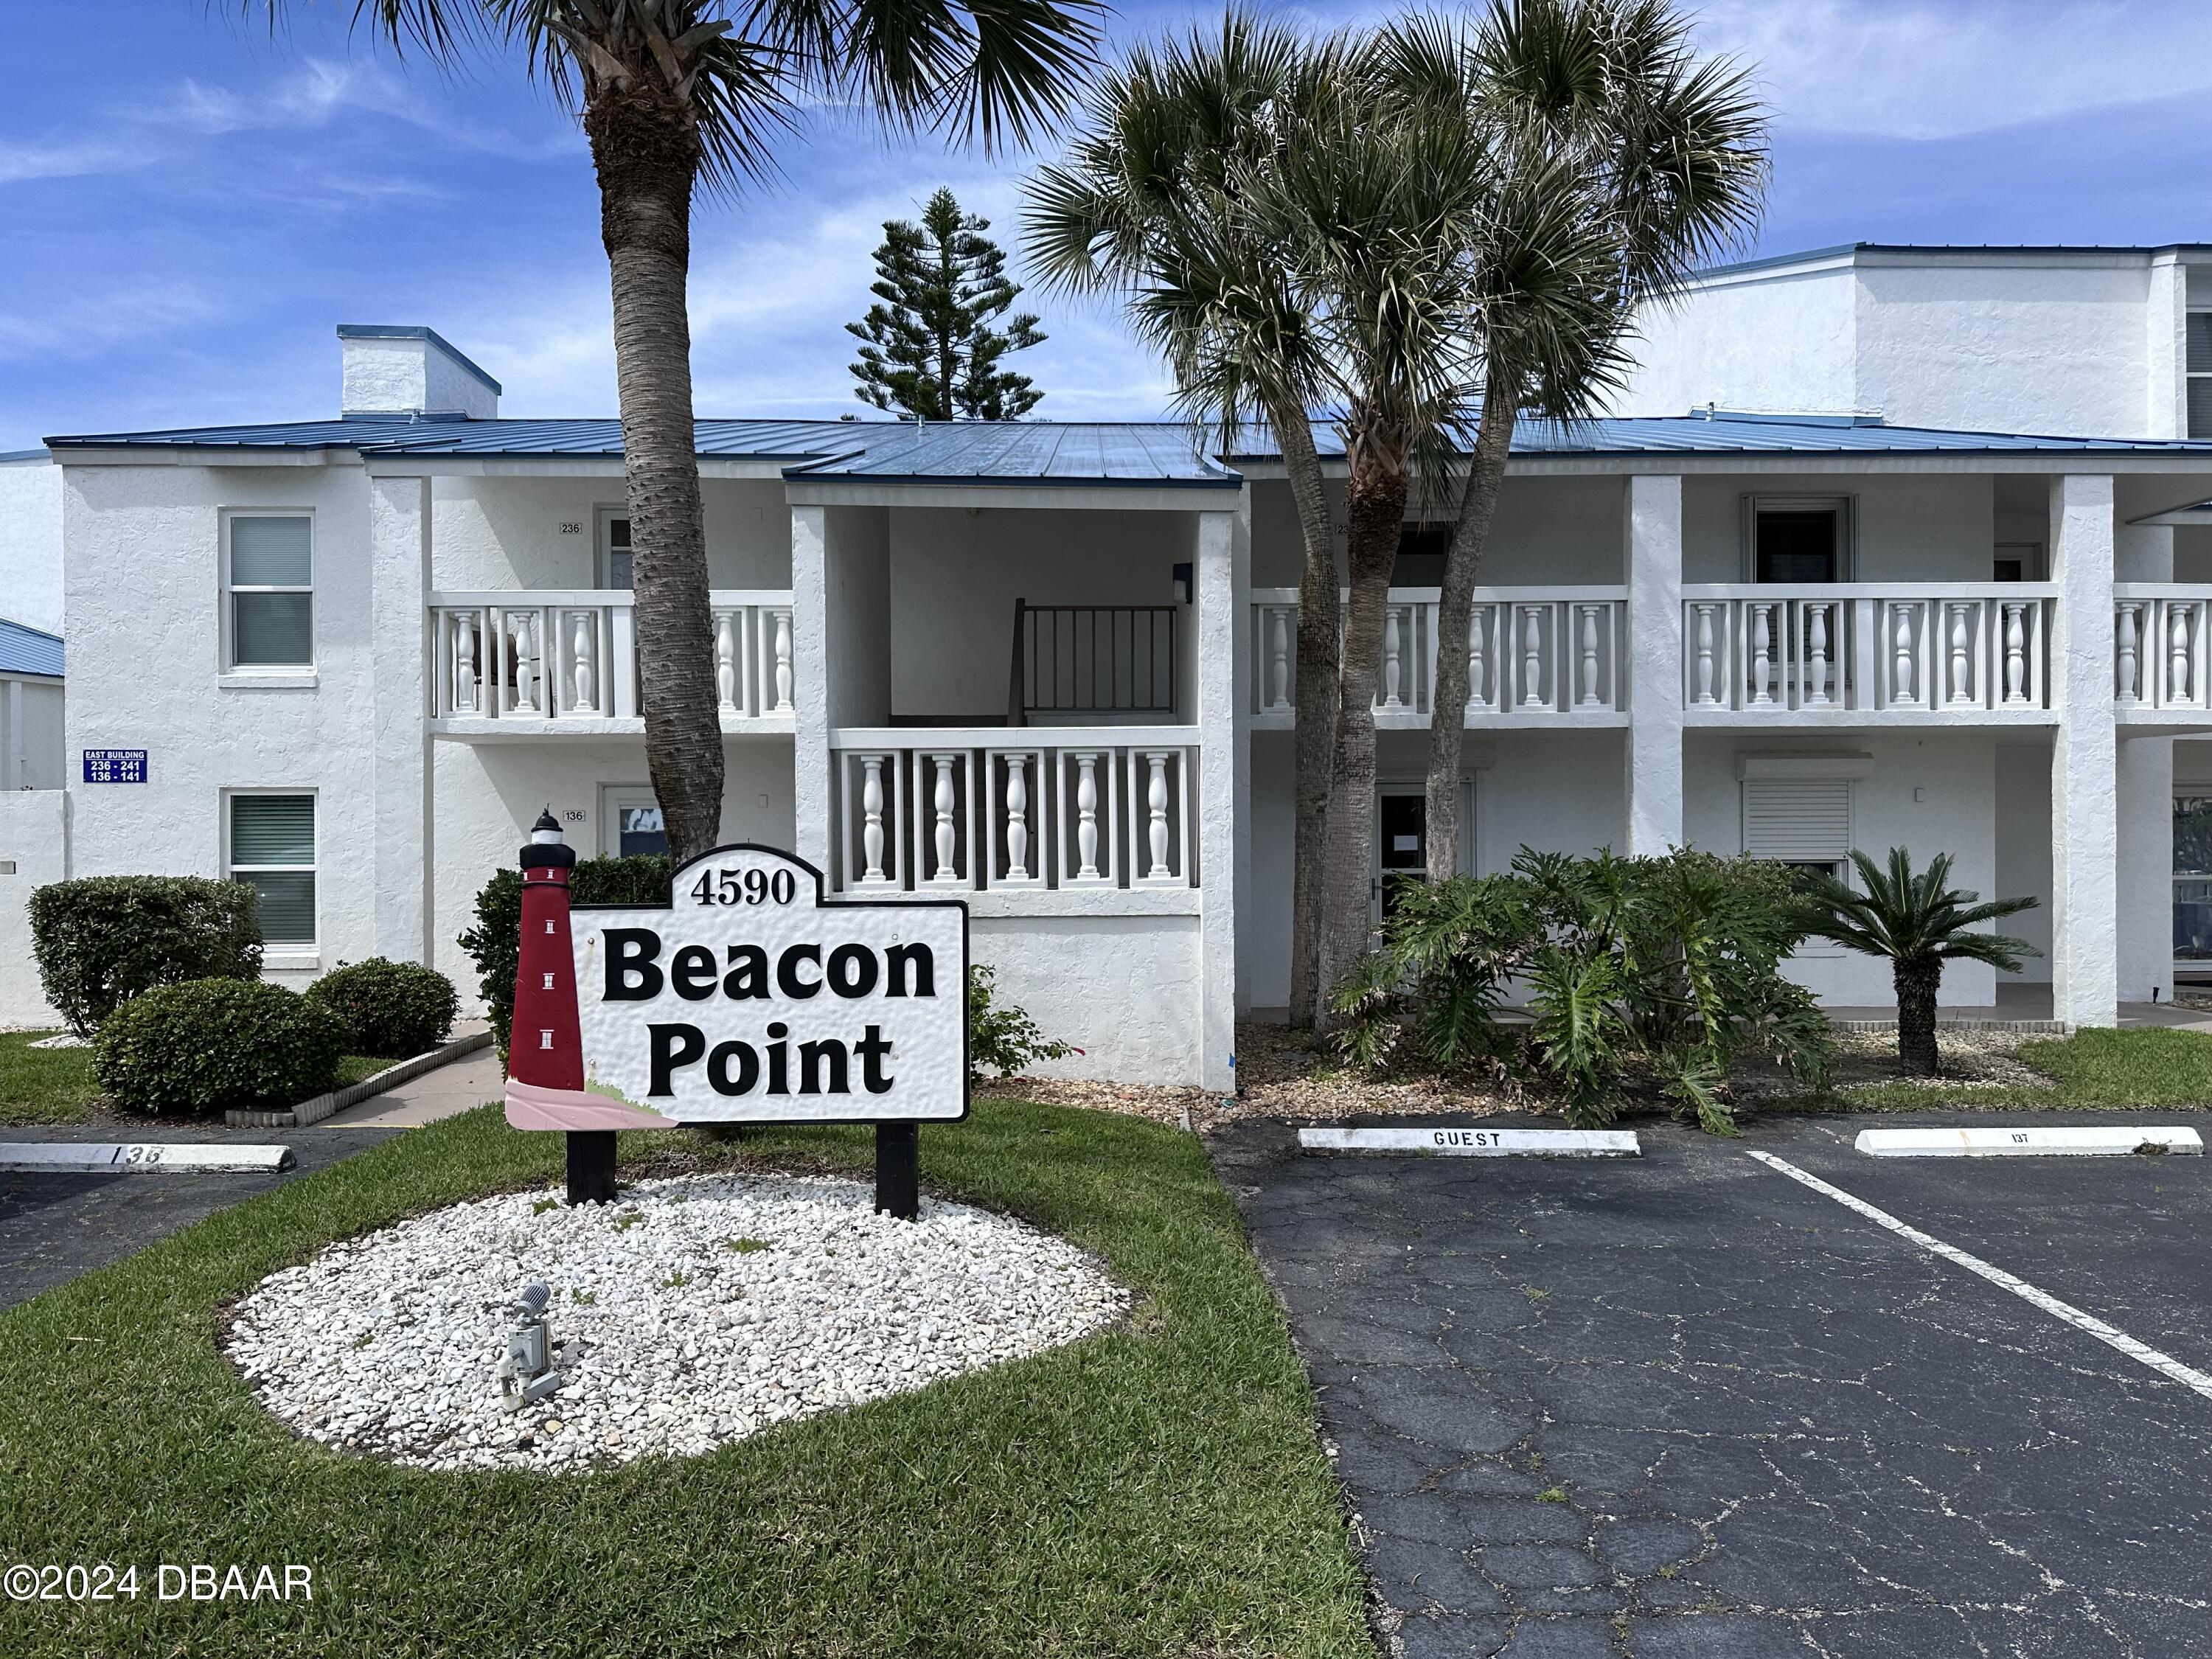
(1801, 820)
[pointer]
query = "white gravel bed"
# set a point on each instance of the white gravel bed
(690, 1313)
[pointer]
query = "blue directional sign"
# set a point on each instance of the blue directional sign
(115, 765)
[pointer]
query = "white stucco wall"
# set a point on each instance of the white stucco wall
(1955, 773)
(1916, 528)
(2023, 848)
(31, 544)
(400, 374)
(484, 797)
(1782, 342)
(146, 673)
(1124, 989)
(33, 838)
(956, 573)
(495, 533)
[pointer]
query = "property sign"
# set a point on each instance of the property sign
(115, 765)
(751, 999)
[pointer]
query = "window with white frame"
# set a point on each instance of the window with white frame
(269, 580)
(272, 850)
(1798, 538)
(614, 547)
(2199, 353)
(1804, 822)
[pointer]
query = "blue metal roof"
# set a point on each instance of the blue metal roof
(29, 650)
(1156, 452)
(1774, 261)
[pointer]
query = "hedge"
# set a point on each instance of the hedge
(390, 1009)
(102, 940)
(211, 1043)
(494, 943)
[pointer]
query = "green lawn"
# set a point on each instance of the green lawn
(2147, 1066)
(1154, 1491)
(54, 1086)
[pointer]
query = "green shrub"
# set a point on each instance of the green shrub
(1646, 977)
(209, 1043)
(102, 940)
(1002, 1040)
(394, 1009)
(495, 943)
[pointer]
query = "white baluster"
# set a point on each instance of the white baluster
(529, 675)
(725, 660)
(1392, 647)
(783, 662)
(1704, 692)
(465, 664)
(1278, 658)
(1086, 818)
(2016, 648)
(2177, 692)
(2126, 632)
(1816, 653)
(1900, 680)
(1589, 697)
(941, 802)
(872, 811)
(580, 640)
(1532, 656)
(1478, 639)
(1762, 653)
(1156, 802)
(1962, 683)
(1017, 819)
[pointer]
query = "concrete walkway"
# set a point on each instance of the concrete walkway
(470, 1081)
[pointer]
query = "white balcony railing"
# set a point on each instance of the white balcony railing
(2160, 646)
(1531, 653)
(1925, 647)
(962, 810)
(544, 655)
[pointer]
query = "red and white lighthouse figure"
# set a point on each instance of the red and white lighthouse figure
(545, 1045)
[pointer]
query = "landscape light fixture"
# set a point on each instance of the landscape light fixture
(526, 1374)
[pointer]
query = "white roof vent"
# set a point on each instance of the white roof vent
(402, 369)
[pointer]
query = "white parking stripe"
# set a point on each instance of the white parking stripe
(2164, 1364)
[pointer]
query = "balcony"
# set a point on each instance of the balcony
(1867, 653)
(1535, 656)
(2161, 672)
(1055, 820)
(522, 663)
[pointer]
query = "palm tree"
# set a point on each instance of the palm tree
(1151, 202)
(673, 95)
(1919, 922)
(1613, 164)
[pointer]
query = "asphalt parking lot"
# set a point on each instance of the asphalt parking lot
(1687, 1404)
(53, 1227)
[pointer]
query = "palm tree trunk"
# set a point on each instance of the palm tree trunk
(1486, 476)
(646, 151)
(1314, 694)
(1375, 515)
(1916, 980)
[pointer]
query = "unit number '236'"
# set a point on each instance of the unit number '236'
(749, 887)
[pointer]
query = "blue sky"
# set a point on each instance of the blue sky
(181, 228)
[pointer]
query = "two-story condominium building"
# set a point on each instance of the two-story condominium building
(1048, 667)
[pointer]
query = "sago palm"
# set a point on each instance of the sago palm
(1150, 203)
(677, 93)
(1919, 922)
(1608, 162)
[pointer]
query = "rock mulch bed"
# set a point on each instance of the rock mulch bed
(690, 1313)
(1280, 1074)
(1967, 1060)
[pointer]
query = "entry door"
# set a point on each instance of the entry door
(631, 822)
(1402, 827)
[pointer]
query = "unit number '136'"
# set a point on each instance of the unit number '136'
(751, 887)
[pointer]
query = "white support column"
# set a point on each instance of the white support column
(400, 584)
(2084, 762)
(1241, 602)
(811, 779)
(1651, 516)
(2144, 553)
(1214, 659)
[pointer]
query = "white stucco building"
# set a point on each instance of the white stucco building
(1048, 667)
